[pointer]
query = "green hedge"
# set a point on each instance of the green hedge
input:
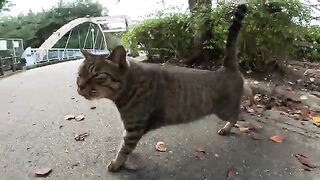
(268, 32)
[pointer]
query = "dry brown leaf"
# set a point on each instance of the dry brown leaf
(249, 110)
(257, 97)
(161, 146)
(305, 114)
(80, 117)
(244, 129)
(312, 79)
(277, 138)
(43, 172)
(316, 120)
(199, 153)
(69, 117)
(305, 161)
(245, 124)
(231, 172)
(81, 137)
(289, 88)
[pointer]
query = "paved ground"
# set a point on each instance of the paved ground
(34, 134)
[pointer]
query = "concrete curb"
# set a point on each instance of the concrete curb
(11, 73)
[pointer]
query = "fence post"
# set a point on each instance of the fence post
(1, 67)
(47, 51)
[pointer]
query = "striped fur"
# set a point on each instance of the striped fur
(149, 96)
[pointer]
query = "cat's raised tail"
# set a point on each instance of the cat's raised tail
(230, 59)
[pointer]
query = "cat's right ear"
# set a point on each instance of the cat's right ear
(118, 55)
(86, 54)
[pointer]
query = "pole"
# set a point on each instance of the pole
(92, 38)
(79, 38)
(85, 40)
(1, 67)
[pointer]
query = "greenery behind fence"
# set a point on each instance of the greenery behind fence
(268, 33)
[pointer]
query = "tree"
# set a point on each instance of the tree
(201, 54)
(35, 28)
(5, 4)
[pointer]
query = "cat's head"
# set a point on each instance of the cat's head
(102, 76)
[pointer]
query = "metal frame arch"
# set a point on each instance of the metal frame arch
(57, 35)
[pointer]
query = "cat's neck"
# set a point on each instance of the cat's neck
(129, 86)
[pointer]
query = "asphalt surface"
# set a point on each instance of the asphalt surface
(34, 134)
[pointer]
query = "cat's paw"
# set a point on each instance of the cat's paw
(114, 166)
(223, 132)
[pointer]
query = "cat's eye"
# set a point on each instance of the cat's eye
(101, 77)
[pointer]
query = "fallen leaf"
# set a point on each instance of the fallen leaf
(81, 137)
(75, 164)
(305, 114)
(93, 107)
(316, 120)
(304, 161)
(277, 138)
(199, 149)
(257, 97)
(289, 88)
(246, 124)
(80, 117)
(69, 117)
(291, 83)
(303, 97)
(306, 168)
(244, 129)
(299, 154)
(231, 172)
(43, 172)
(249, 110)
(199, 153)
(161, 146)
(260, 106)
(312, 79)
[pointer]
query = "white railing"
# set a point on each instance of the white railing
(56, 54)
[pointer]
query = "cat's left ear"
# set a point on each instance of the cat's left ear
(118, 56)
(86, 54)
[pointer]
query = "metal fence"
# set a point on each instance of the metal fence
(10, 63)
(36, 55)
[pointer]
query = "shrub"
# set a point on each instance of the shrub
(268, 32)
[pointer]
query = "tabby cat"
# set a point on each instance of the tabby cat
(149, 96)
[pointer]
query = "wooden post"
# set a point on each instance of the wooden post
(1, 68)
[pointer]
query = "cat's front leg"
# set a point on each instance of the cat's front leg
(128, 144)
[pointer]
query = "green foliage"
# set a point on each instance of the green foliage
(5, 4)
(268, 32)
(171, 32)
(309, 46)
(36, 28)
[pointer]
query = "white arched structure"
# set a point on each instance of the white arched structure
(101, 22)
